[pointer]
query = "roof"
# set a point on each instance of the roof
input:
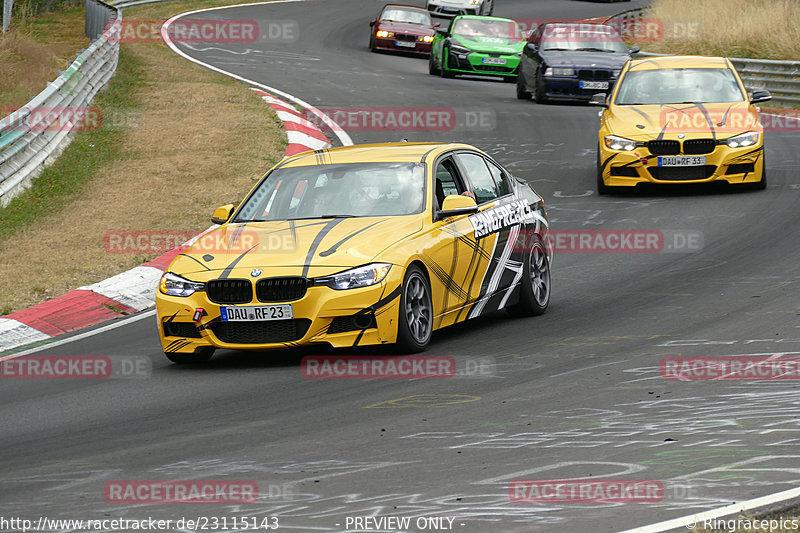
(380, 152)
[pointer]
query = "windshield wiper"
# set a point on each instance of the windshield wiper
(556, 49)
(593, 50)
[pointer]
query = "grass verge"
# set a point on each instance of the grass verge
(181, 141)
(767, 29)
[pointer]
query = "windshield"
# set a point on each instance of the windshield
(330, 191)
(582, 39)
(500, 28)
(394, 14)
(675, 86)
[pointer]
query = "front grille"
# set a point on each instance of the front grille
(230, 291)
(281, 289)
(405, 37)
(493, 68)
(664, 147)
(261, 332)
(682, 173)
(699, 146)
(341, 324)
(740, 168)
(181, 329)
(594, 75)
(629, 172)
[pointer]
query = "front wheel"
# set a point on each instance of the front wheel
(539, 92)
(432, 68)
(415, 323)
(522, 90)
(535, 288)
(445, 73)
(201, 356)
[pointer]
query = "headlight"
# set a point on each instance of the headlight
(619, 143)
(383, 34)
(459, 50)
(356, 277)
(745, 139)
(177, 286)
(426, 38)
(474, 2)
(559, 71)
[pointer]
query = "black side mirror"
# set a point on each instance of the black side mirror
(531, 47)
(760, 95)
(372, 23)
(598, 99)
(634, 50)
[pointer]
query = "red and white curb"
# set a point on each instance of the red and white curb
(134, 290)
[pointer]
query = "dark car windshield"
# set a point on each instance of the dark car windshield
(330, 191)
(502, 29)
(678, 85)
(582, 38)
(412, 16)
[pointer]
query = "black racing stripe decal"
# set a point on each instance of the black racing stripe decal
(229, 268)
(293, 230)
(358, 339)
(724, 117)
(466, 240)
(386, 299)
(710, 122)
(473, 262)
(317, 240)
(663, 131)
(195, 260)
(449, 283)
(333, 248)
(606, 162)
(177, 345)
(645, 115)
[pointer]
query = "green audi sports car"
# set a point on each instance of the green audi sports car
(477, 45)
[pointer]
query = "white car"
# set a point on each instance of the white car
(451, 8)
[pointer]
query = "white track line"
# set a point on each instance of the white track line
(685, 521)
(344, 138)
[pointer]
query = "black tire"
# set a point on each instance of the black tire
(415, 321)
(522, 93)
(538, 90)
(372, 43)
(432, 68)
(510, 79)
(602, 188)
(201, 356)
(535, 289)
(445, 73)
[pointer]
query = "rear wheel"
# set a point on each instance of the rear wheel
(415, 324)
(522, 92)
(535, 289)
(201, 356)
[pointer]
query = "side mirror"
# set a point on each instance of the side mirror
(760, 95)
(372, 23)
(222, 214)
(455, 204)
(437, 24)
(531, 47)
(634, 50)
(599, 99)
(441, 31)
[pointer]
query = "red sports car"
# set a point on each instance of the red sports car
(402, 28)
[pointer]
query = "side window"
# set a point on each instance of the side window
(447, 182)
(479, 176)
(500, 180)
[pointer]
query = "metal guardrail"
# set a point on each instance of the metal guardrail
(34, 135)
(780, 78)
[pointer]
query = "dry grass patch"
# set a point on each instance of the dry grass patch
(768, 29)
(34, 51)
(194, 140)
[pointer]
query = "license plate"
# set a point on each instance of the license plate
(405, 44)
(494, 61)
(594, 85)
(256, 313)
(682, 161)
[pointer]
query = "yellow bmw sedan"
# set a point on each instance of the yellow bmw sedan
(360, 245)
(680, 119)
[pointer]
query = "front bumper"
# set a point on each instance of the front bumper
(725, 164)
(445, 10)
(475, 63)
(562, 88)
(340, 318)
(419, 47)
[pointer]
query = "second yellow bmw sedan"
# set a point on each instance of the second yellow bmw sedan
(680, 119)
(370, 244)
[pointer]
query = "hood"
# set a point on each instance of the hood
(607, 60)
(456, 3)
(406, 27)
(310, 247)
(646, 122)
(490, 44)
